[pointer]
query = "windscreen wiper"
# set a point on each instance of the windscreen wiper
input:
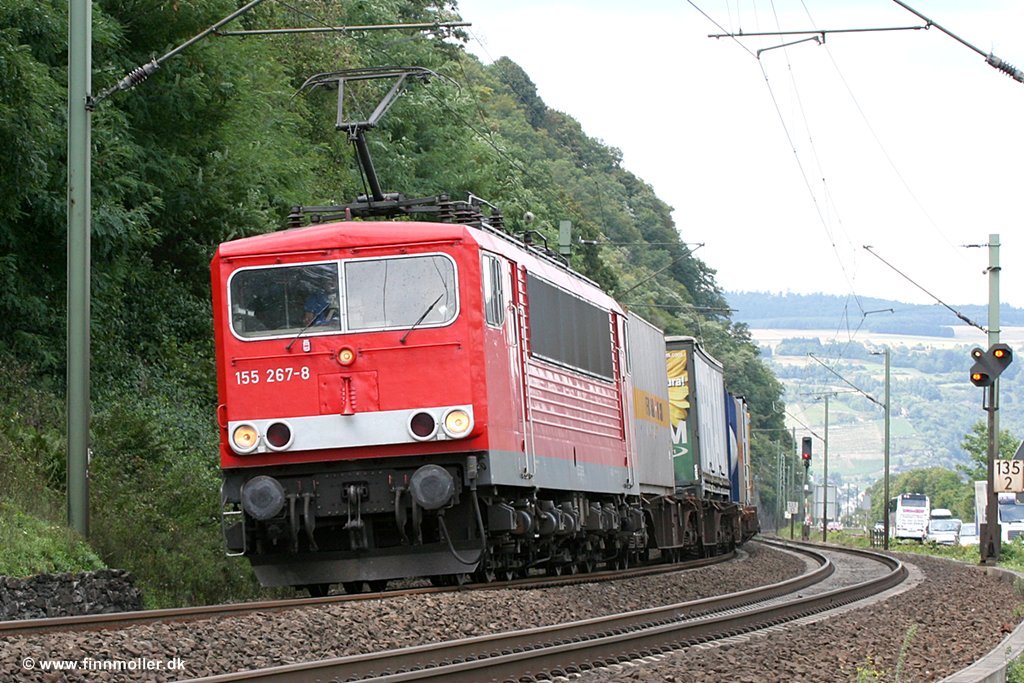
(312, 320)
(420, 319)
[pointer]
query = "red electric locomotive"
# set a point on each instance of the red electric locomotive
(409, 398)
(395, 394)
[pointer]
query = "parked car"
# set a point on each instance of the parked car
(944, 531)
(969, 535)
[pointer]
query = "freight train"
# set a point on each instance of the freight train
(442, 399)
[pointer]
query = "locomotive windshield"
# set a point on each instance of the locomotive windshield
(351, 296)
(393, 293)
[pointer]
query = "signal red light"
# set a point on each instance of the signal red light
(279, 435)
(805, 450)
(422, 426)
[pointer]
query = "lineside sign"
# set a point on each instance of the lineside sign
(1009, 476)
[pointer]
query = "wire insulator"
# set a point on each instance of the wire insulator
(137, 75)
(1007, 68)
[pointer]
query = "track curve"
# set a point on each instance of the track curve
(583, 645)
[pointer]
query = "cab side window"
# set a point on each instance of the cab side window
(494, 300)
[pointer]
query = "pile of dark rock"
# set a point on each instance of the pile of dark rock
(63, 595)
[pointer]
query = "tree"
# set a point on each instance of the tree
(944, 488)
(975, 444)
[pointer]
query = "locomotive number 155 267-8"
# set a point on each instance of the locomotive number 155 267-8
(271, 375)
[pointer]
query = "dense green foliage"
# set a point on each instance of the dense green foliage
(217, 145)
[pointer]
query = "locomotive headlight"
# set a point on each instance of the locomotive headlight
(346, 356)
(457, 423)
(245, 438)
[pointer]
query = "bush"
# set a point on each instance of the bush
(156, 479)
(153, 487)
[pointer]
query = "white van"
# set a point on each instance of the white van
(944, 530)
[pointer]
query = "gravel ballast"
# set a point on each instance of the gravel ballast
(959, 613)
(954, 616)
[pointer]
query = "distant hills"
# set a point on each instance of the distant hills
(765, 310)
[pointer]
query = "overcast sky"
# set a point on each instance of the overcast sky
(787, 165)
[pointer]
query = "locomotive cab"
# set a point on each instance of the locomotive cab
(347, 377)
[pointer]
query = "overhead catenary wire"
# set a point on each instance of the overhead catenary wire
(735, 37)
(878, 141)
(847, 382)
(818, 163)
(619, 246)
(793, 147)
(141, 73)
(990, 58)
(803, 424)
(906, 277)
(329, 28)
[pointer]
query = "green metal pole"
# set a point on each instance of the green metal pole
(78, 253)
(824, 481)
(885, 484)
(990, 548)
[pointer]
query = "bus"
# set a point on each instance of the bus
(908, 516)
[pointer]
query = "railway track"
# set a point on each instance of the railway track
(115, 620)
(579, 646)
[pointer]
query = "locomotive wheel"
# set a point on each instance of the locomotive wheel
(622, 561)
(378, 586)
(318, 590)
(352, 587)
(447, 580)
(555, 570)
(485, 575)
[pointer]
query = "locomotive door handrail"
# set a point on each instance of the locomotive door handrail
(621, 343)
(521, 302)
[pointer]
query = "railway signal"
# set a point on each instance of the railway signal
(805, 451)
(988, 365)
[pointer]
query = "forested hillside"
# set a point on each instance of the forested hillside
(217, 144)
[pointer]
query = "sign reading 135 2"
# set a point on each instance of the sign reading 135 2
(1009, 476)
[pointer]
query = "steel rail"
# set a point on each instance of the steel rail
(114, 620)
(568, 648)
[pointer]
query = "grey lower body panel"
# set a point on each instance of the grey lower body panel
(506, 468)
(336, 567)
